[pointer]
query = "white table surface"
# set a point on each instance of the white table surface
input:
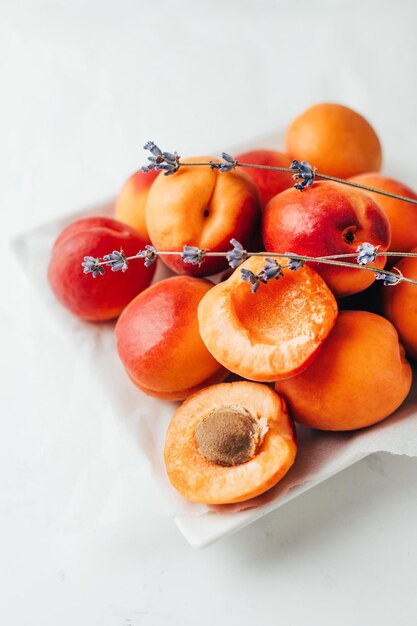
(83, 85)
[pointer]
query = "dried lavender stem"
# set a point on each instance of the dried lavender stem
(274, 168)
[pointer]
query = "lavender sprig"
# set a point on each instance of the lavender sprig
(367, 253)
(92, 266)
(253, 279)
(193, 255)
(272, 269)
(167, 161)
(116, 260)
(236, 256)
(229, 163)
(304, 172)
(149, 254)
(390, 279)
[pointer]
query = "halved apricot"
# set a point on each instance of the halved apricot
(272, 334)
(229, 442)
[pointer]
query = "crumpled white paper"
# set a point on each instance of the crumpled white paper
(121, 461)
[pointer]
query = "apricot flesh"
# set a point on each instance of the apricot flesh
(359, 377)
(273, 333)
(201, 480)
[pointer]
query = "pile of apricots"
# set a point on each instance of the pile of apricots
(324, 346)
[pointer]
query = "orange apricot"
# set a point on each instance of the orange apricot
(359, 377)
(272, 334)
(402, 216)
(229, 442)
(399, 305)
(158, 340)
(201, 207)
(335, 139)
(130, 204)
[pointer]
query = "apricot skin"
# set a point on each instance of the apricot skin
(359, 377)
(104, 297)
(334, 139)
(201, 207)
(201, 480)
(158, 340)
(402, 215)
(318, 221)
(130, 204)
(399, 305)
(268, 182)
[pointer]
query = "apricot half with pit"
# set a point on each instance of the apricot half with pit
(273, 333)
(229, 442)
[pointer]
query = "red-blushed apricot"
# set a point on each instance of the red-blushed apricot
(273, 333)
(159, 343)
(130, 204)
(229, 442)
(402, 216)
(201, 207)
(268, 182)
(335, 139)
(326, 219)
(360, 376)
(399, 305)
(104, 297)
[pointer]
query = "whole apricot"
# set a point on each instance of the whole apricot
(104, 297)
(327, 219)
(159, 343)
(359, 377)
(334, 139)
(201, 207)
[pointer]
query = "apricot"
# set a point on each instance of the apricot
(402, 215)
(229, 442)
(130, 204)
(359, 377)
(268, 182)
(272, 334)
(158, 340)
(399, 305)
(335, 139)
(104, 297)
(201, 207)
(325, 219)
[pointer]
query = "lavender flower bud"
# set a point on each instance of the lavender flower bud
(305, 173)
(149, 254)
(236, 256)
(193, 255)
(367, 253)
(92, 265)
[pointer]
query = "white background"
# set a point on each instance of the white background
(83, 85)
